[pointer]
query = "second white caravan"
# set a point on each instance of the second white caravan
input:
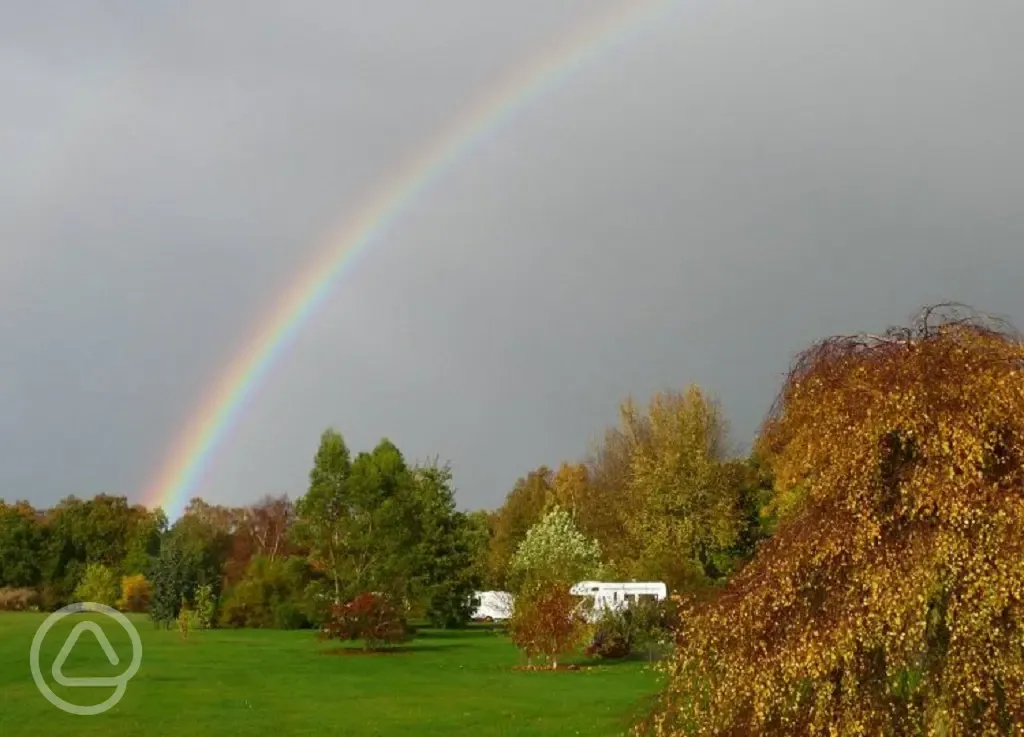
(615, 595)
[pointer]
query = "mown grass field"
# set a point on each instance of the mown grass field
(261, 682)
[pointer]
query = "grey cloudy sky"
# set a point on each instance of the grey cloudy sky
(697, 204)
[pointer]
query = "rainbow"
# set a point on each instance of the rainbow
(221, 406)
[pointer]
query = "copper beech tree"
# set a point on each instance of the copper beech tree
(889, 602)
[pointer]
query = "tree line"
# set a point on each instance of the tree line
(660, 496)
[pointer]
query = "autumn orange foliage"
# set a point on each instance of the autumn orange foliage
(891, 599)
(136, 592)
(547, 622)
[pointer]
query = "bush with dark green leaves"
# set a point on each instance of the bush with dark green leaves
(272, 594)
(646, 626)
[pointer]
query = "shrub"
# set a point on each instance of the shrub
(52, 597)
(289, 616)
(19, 600)
(187, 619)
(135, 594)
(376, 619)
(450, 605)
(273, 594)
(613, 638)
(654, 625)
(317, 599)
(205, 606)
(244, 606)
(99, 585)
(548, 622)
(644, 626)
(611, 641)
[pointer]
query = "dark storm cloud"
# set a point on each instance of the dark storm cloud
(695, 205)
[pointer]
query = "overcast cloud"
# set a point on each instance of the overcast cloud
(695, 205)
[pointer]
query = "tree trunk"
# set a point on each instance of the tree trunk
(337, 583)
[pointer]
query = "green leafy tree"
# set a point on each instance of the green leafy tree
(479, 534)
(273, 593)
(80, 532)
(142, 545)
(325, 511)
(555, 551)
(752, 480)
(22, 541)
(203, 546)
(205, 606)
(173, 579)
(66, 553)
(99, 584)
(109, 524)
(443, 572)
(192, 554)
(380, 548)
(360, 519)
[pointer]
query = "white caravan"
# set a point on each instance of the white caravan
(618, 595)
(492, 606)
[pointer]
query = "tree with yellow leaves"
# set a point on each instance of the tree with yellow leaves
(891, 599)
(682, 507)
(136, 592)
(524, 507)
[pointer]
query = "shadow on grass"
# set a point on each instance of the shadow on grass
(354, 651)
(394, 650)
(641, 658)
(472, 632)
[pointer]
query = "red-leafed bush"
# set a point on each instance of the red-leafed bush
(610, 645)
(376, 619)
(548, 621)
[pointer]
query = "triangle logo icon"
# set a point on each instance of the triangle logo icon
(69, 645)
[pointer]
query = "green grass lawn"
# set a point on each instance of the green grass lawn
(263, 682)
